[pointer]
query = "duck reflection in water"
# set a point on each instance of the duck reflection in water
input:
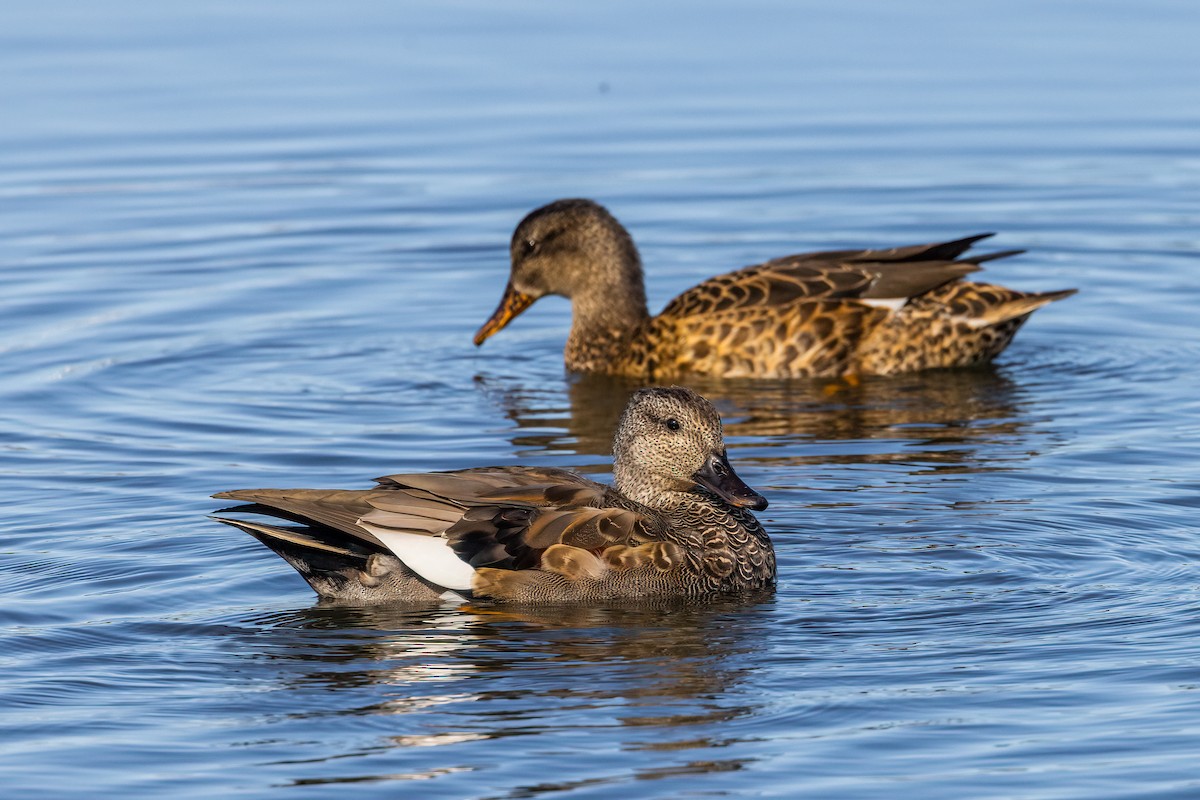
(665, 672)
(946, 418)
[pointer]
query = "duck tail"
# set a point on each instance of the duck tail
(957, 325)
(1020, 305)
(339, 573)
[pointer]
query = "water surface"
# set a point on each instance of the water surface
(247, 245)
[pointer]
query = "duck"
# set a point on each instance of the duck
(677, 522)
(830, 314)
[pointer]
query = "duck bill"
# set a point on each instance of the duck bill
(511, 305)
(718, 477)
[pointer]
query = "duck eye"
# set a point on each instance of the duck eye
(673, 424)
(529, 246)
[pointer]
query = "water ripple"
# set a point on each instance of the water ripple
(265, 269)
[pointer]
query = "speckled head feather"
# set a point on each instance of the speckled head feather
(823, 314)
(663, 438)
(575, 249)
(567, 247)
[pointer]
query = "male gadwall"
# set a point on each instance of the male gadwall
(827, 314)
(676, 523)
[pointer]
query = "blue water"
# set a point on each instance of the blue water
(247, 244)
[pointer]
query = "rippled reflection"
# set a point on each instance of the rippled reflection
(449, 676)
(943, 418)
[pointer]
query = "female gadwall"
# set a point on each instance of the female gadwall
(677, 523)
(828, 314)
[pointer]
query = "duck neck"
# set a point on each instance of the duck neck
(601, 322)
(606, 313)
(659, 498)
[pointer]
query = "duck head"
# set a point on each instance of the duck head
(576, 249)
(668, 442)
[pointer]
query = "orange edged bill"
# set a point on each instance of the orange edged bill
(511, 305)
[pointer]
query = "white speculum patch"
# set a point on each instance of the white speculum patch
(428, 556)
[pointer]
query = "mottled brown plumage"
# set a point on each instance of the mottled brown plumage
(676, 523)
(824, 314)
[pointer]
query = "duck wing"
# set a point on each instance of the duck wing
(507, 517)
(894, 274)
(444, 526)
(935, 251)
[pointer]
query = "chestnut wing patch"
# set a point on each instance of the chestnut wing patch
(505, 518)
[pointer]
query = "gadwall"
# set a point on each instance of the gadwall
(828, 314)
(676, 523)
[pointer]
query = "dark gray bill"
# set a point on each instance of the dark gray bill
(718, 477)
